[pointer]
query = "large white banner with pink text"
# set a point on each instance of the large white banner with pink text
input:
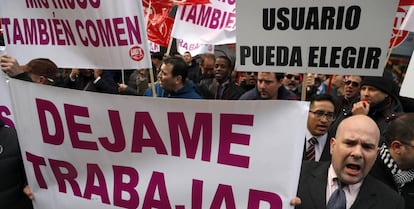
(213, 23)
(91, 150)
(84, 34)
(6, 114)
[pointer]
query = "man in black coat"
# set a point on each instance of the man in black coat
(395, 162)
(353, 150)
(12, 175)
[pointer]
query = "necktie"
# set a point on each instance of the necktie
(219, 91)
(310, 152)
(338, 198)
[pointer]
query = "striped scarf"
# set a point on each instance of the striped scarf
(401, 177)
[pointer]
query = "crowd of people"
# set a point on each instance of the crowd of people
(355, 123)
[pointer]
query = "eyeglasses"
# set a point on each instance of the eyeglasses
(290, 76)
(407, 144)
(354, 84)
(328, 115)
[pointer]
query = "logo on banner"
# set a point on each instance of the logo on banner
(136, 53)
(400, 35)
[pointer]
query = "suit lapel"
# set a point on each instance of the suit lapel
(317, 187)
(367, 195)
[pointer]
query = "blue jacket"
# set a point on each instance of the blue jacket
(187, 92)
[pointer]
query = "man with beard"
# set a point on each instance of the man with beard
(320, 117)
(345, 103)
(395, 162)
(378, 100)
(248, 80)
(269, 86)
(291, 82)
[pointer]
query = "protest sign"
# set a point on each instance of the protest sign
(334, 37)
(213, 23)
(82, 34)
(6, 114)
(194, 48)
(407, 86)
(91, 150)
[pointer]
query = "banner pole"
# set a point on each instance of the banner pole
(303, 95)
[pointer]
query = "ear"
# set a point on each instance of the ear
(333, 142)
(179, 79)
(43, 80)
(396, 146)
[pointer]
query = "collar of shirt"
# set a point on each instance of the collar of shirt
(351, 190)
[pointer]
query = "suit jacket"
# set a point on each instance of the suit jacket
(326, 152)
(373, 194)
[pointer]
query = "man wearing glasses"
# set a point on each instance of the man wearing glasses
(320, 117)
(350, 96)
(291, 82)
(395, 162)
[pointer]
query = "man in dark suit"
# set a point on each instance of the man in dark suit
(320, 117)
(345, 180)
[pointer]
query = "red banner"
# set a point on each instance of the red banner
(161, 33)
(178, 2)
(406, 2)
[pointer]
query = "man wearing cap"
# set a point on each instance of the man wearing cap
(40, 70)
(378, 100)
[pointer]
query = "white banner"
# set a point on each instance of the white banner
(335, 37)
(194, 48)
(407, 86)
(91, 150)
(6, 114)
(81, 34)
(213, 23)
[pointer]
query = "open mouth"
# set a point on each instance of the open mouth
(353, 169)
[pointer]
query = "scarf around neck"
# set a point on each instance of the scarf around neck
(401, 177)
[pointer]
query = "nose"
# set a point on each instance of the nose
(356, 152)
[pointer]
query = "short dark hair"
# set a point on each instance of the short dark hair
(179, 67)
(322, 97)
(157, 55)
(400, 129)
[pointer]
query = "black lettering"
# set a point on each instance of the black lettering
(335, 56)
(372, 60)
(283, 23)
(244, 53)
(296, 57)
(312, 56)
(269, 55)
(361, 57)
(258, 53)
(327, 18)
(353, 15)
(312, 19)
(269, 20)
(282, 56)
(298, 18)
(348, 57)
(340, 18)
(322, 57)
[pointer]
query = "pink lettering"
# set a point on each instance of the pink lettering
(227, 137)
(143, 119)
(224, 194)
(129, 187)
(90, 188)
(58, 168)
(157, 183)
(37, 161)
(74, 128)
(119, 136)
(7, 121)
(43, 107)
(256, 196)
(177, 125)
